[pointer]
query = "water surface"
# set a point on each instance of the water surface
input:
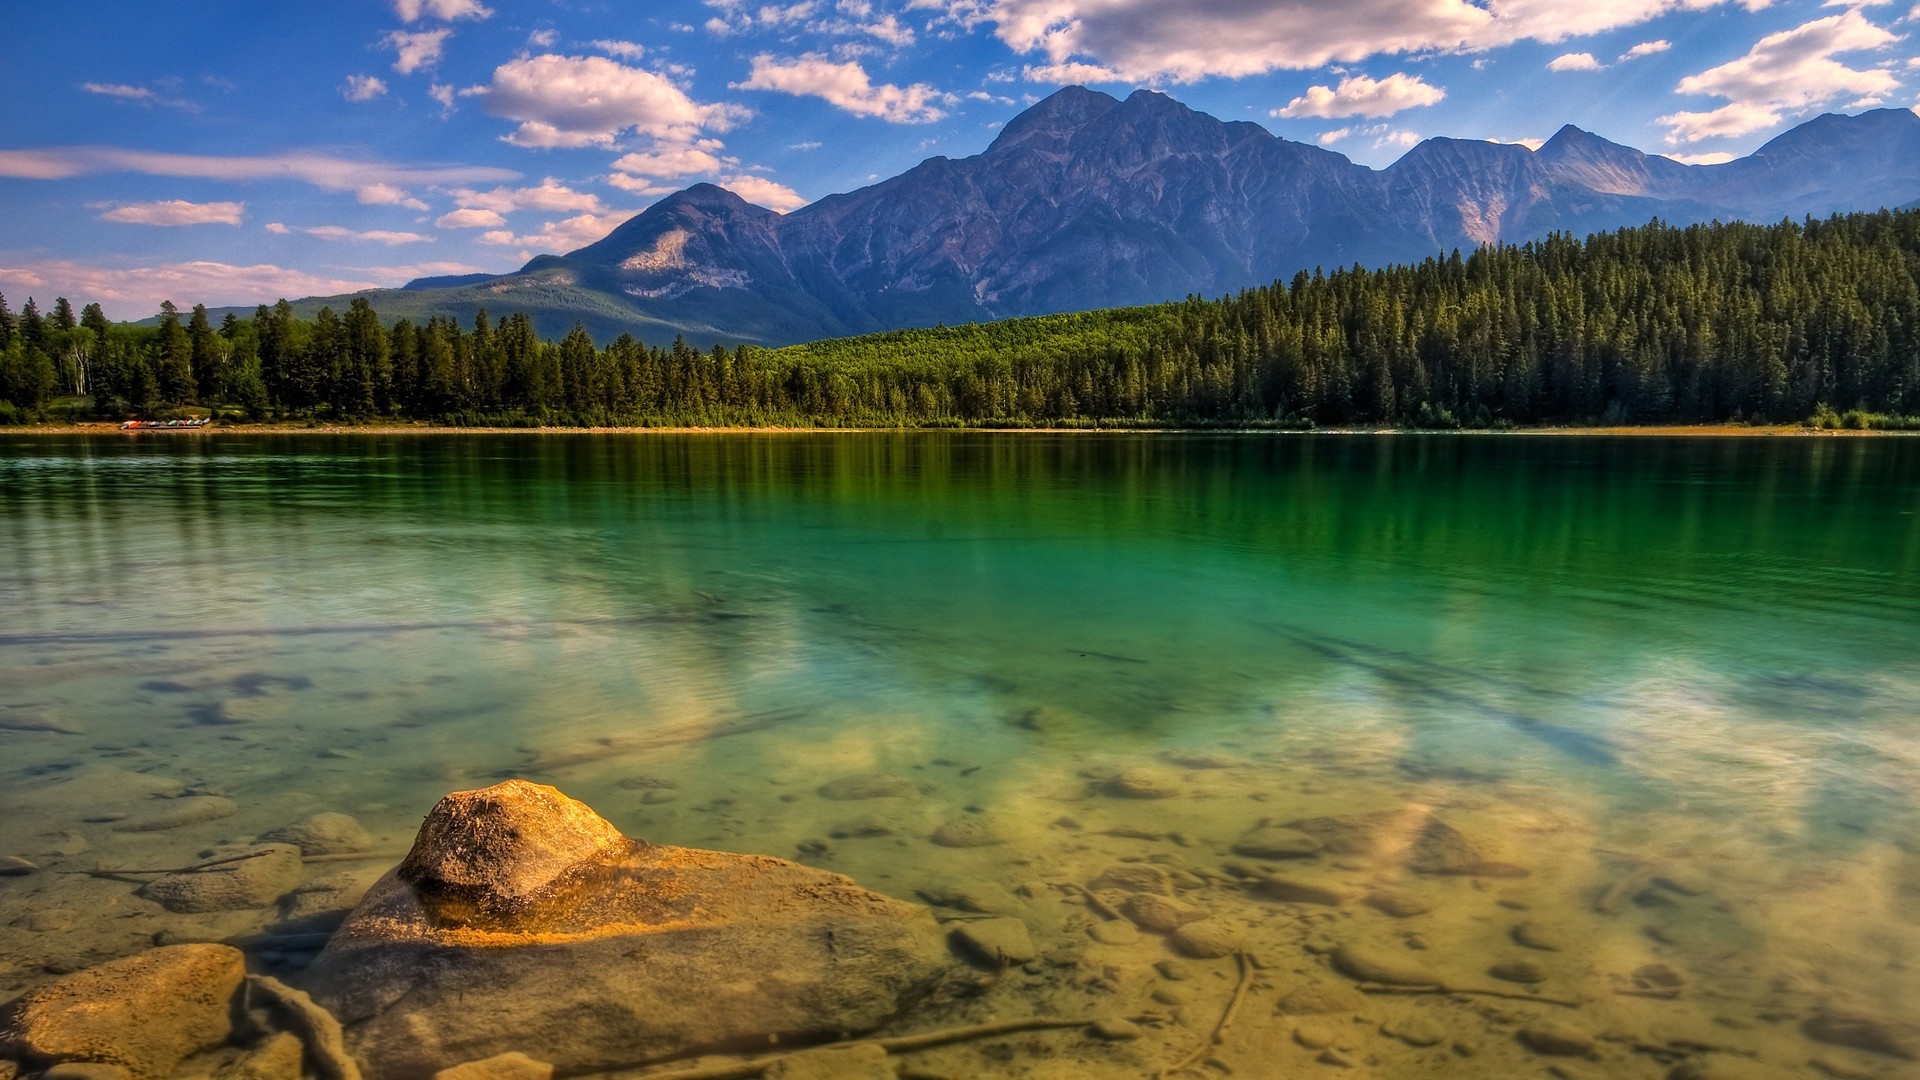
(1671, 680)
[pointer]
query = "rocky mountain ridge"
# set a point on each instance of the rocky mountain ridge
(1088, 201)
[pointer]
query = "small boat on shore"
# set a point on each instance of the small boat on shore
(166, 425)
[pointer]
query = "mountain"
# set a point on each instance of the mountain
(1088, 201)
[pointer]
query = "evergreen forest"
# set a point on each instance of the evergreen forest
(1814, 321)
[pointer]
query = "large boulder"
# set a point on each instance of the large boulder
(145, 1013)
(521, 921)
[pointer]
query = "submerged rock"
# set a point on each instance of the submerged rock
(1414, 838)
(324, 834)
(511, 1066)
(997, 943)
(1277, 842)
(588, 950)
(1142, 782)
(179, 813)
(967, 832)
(239, 886)
(145, 1013)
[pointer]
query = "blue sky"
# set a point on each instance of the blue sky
(230, 152)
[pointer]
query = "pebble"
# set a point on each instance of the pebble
(323, 834)
(509, 1066)
(51, 920)
(1335, 1058)
(1277, 842)
(1133, 878)
(865, 828)
(1721, 1067)
(178, 813)
(15, 866)
(1114, 932)
(1313, 1036)
(1367, 965)
(1556, 1039)
(1115, 1029)
(1397, 905)
(1518, 970)
(1287, 890)
(1535, 936)
(967, 832)
(1173, 970)
(250, 883)
(1142, 782)
(866, 786)
(1657, 977)
(1316, 998)
(1414, 1030)
(1207, 939)
(975, 896)
(999, 943)
(1160, 914)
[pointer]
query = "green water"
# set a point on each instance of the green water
(1599, 659)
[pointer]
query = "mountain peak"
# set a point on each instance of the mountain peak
(1049, 124)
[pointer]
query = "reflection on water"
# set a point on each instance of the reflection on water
(1668, 686)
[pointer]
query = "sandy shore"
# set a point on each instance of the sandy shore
(107, 428)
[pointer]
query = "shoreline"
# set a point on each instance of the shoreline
(390, 429)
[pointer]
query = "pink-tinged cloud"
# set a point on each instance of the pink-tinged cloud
(320, 170)
(174, 212)
(844, 85)
(1359, 95)
(575, 101)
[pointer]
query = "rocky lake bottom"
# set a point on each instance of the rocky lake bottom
(1266, 792)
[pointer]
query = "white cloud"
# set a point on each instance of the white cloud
(442, 93)
(549, 195)
(137, 95)
(565, 235)
(1359, 95)
(625, 50)
(670, 161)
(638, 185)
(174, 212)
(1574, 61)
(375, 236)
(846, 86)
(543, 39)
(1530, 143)
(1646, 48)
(575, 101)
(764, 192)
(135, 292)
(1379, 136)
(1328, 138)
(470, 218)
(1716, 157)
(388, 195)
(1787, 72)
(1152, 40)
(363, 88)
(447, 10)
(327, 173)
(276, 228)
(1070, 73)
(888, 29)
(416, 49)
(806, 147)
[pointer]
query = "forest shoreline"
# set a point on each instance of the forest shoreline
(303, 428)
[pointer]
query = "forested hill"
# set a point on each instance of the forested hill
(1642, 325)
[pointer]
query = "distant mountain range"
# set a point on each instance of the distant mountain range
(1088, 201)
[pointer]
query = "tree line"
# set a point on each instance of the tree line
(1794, 321)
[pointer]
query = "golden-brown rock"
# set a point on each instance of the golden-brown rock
(146, 1013)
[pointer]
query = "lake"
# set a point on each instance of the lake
(1629, 723)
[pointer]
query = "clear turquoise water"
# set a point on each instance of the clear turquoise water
(1592, 655)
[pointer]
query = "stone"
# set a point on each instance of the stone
(1556, 1039)
(179, 813)
(1657, 977)
(979, 897)
(1859, 1032)
(51, 920)
(87, 1070)
(1116, 1029)
(1160, 914)
(1414, 1030)
(319, 1031)
(1114, 932)
(1277, 842)
(509, 1066)
(1414, 838)
(997, 943)
(1142, 782)
(967, 832)
(324, 834)
(1133, 878)
(1397, 905)
(15, 866)
(1207, 939)
(147, 1012)
(1725, 1067)
(866, 786)
(1291, 890)
(497, 849)
(1314, 999)
(280, 1057)
(863, 828)
(1370, 965)
(1173, 970)
(1519, 970)
(1535, 936)
(605, 950)
(861, 1061)
(1314, 1035)
(239, 886)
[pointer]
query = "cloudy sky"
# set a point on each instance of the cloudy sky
(230, 151)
